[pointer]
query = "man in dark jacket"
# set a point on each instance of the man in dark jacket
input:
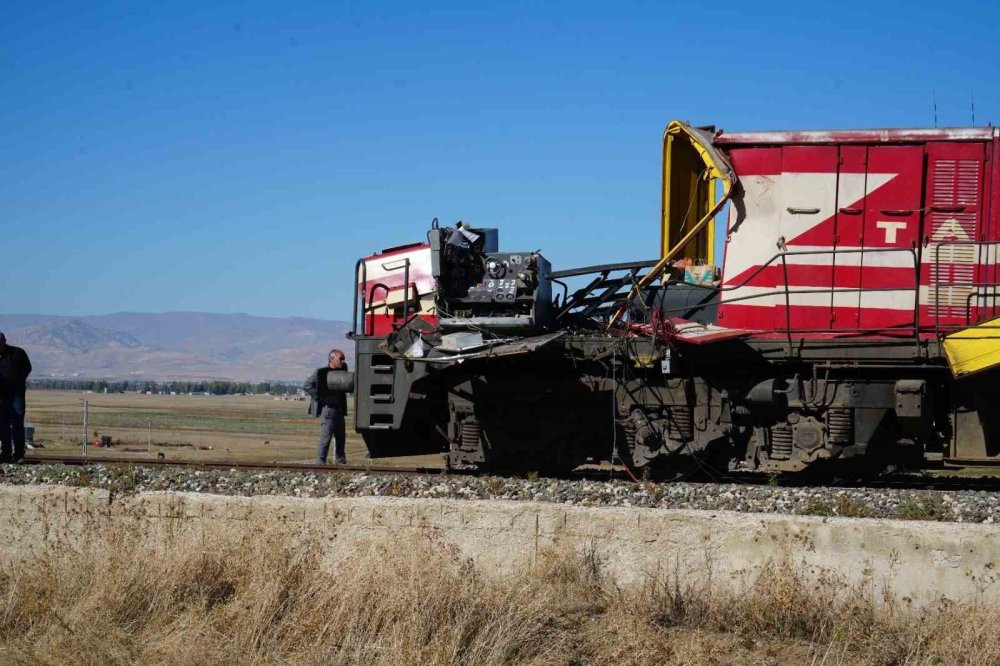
(14, 370)
(330, 407)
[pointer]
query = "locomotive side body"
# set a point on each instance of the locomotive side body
(848, 258)
(865, 232)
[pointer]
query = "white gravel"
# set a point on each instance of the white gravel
(952, 505)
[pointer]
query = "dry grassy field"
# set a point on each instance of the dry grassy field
(185, 427)
(261, 596)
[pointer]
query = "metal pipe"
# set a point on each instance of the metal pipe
(601, 268)
(406, 291)
(936, 272)
(86, 413)
(916, 295)
(371, 297)
(565, 290)
(364, 301)
(359, 286)
(788, 303)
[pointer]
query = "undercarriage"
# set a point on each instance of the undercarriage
(732, 405)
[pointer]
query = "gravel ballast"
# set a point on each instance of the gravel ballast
(957, 506)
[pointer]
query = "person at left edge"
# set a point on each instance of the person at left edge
(14, 370)
(330, 407)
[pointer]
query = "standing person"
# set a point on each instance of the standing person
(14, 370)
(330, 406)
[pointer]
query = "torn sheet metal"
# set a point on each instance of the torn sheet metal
(715, 167)
(975, 349)
(697, 334)
(515, 348)
(462, 341)
(691, 332)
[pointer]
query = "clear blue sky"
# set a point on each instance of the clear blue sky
(240, 157)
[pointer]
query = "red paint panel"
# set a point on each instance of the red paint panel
(756, 161)
(809, 159)
(807, 210)
(891, 221)
(849, 234)
(991, 225)
(893, 210)
(804, 317)
(804, 276)
(749, 317)
(383, 325)
(992, 195)
(875, 319)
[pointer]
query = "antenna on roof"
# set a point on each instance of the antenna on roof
(972, 106)
(934, 99)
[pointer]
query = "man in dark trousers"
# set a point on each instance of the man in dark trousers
(14, 370)
(330, 407)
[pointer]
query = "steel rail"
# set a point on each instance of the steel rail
(902, 481)
(77, 460)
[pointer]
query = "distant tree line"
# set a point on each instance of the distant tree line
(128, 386)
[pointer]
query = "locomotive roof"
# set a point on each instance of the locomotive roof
(914, 135)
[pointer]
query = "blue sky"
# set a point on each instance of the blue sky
(241, 157)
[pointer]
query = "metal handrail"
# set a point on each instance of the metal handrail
(406, 290)
(360, 271)
(968, 301)
(785, 290)
(938, 284)
(603, 268)
(371, 298)
(581, 297)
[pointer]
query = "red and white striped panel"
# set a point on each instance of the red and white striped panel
(797, 206)
(958, 259)
(384, 290)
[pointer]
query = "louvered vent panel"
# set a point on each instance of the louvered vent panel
(953, 271)
(943, 193)
(967, 183)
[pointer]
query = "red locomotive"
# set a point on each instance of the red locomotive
(848, 325)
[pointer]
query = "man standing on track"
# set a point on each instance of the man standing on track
(330, 406)
(14, 370)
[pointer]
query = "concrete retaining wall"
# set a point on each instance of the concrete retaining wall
(923, 561)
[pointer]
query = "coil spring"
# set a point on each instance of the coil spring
(682, 423)
(471, 431)
(629, 429)
(781, 442)
(841, 425)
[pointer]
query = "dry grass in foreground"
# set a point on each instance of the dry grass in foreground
(256, 598)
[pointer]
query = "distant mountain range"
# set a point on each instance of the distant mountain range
(175, 345)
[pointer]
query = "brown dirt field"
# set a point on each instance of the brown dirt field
(185, 427)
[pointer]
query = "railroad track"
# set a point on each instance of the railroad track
(899, 481)
(599, 474)
(240, 465)
(906, 481)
